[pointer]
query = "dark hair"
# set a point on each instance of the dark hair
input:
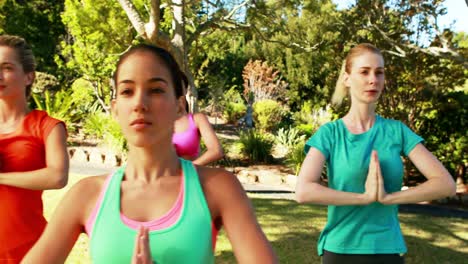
(178, 77)
(23, 52)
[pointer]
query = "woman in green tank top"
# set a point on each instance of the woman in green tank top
(148, 98)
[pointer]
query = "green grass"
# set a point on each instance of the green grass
(293, 231)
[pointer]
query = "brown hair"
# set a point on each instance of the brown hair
(341, 91)
(24, 54)
(178, 77)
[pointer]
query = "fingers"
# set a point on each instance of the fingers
(142, 253)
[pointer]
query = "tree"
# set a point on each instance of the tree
(261, 82)
(98, 33)
(27, 19)
(189, 20)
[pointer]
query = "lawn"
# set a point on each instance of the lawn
(293, 231)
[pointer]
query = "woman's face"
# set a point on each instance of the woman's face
(366, 78)
(145, 105)
(13, 79)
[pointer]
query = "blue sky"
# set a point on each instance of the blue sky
(457, 13)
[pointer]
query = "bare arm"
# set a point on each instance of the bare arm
(310, 190)
(66, 224)
(54, 175)
(439, 182)
(214, 151)
(248, 241)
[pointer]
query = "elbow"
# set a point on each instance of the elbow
(452, 187)
(60, 180)
(220, 154)
(300, 196)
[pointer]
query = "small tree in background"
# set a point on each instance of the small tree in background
(261, 82)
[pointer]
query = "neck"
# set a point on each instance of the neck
(149, 164)
(361, 116)
(11, 111)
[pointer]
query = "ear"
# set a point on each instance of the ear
(346, 79)
(30, 76)
(181, 106)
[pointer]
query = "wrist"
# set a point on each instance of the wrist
(365, 199)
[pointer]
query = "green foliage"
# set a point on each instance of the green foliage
(59, 105)
(256, 146)
(39, 23)
(102, 126)
(44, 81)
(101, 32)
(233, 112)
(296, 156)
(268, 114)
(289, 137)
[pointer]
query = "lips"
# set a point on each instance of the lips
(140, 123)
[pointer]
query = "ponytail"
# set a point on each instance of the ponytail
(341, 91)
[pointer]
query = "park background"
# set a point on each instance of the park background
(264, 71)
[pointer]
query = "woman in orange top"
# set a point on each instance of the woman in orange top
(33, 155)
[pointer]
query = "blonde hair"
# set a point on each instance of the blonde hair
(341, 91)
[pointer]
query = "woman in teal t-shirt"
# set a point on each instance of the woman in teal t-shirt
(363, 153)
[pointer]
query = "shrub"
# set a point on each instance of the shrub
(256, 146)
(296, 157)
(234, 111)
(103, 126)
(289, 137)
(267, 114)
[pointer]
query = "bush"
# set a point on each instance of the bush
(234, 111)
(59, 105)
(289, 137)
(267, 114)
(256, 146)
(103, 126)
(309, 119)
(296, 157)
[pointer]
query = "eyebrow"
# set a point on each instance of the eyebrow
(367, 67)
(152, 80)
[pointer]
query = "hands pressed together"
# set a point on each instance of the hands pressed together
(374, 186)
(142, 253)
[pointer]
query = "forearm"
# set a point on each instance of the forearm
(316, 193)
(42, 179)
(209, 157)
(432, 189)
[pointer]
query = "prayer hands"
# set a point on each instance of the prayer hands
(374, 186)
(142, 253)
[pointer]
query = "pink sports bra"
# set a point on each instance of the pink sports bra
(187, 143)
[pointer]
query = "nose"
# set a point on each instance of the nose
(373, 78)
(140, 102)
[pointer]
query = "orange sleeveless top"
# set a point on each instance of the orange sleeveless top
(21, 210)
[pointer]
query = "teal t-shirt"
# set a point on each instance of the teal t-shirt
(363, 229)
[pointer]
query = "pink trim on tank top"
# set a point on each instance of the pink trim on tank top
(163, 222)
(157, 224)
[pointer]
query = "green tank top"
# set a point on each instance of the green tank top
(188, 240)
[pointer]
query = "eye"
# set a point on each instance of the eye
(365, 72)
(157, 90)
(7, 67)
(125, 91)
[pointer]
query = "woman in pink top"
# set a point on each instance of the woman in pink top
(188, 129)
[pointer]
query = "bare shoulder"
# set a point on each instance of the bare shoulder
(217, 178)
(200, 117)
(84, 194)
(221, 189)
